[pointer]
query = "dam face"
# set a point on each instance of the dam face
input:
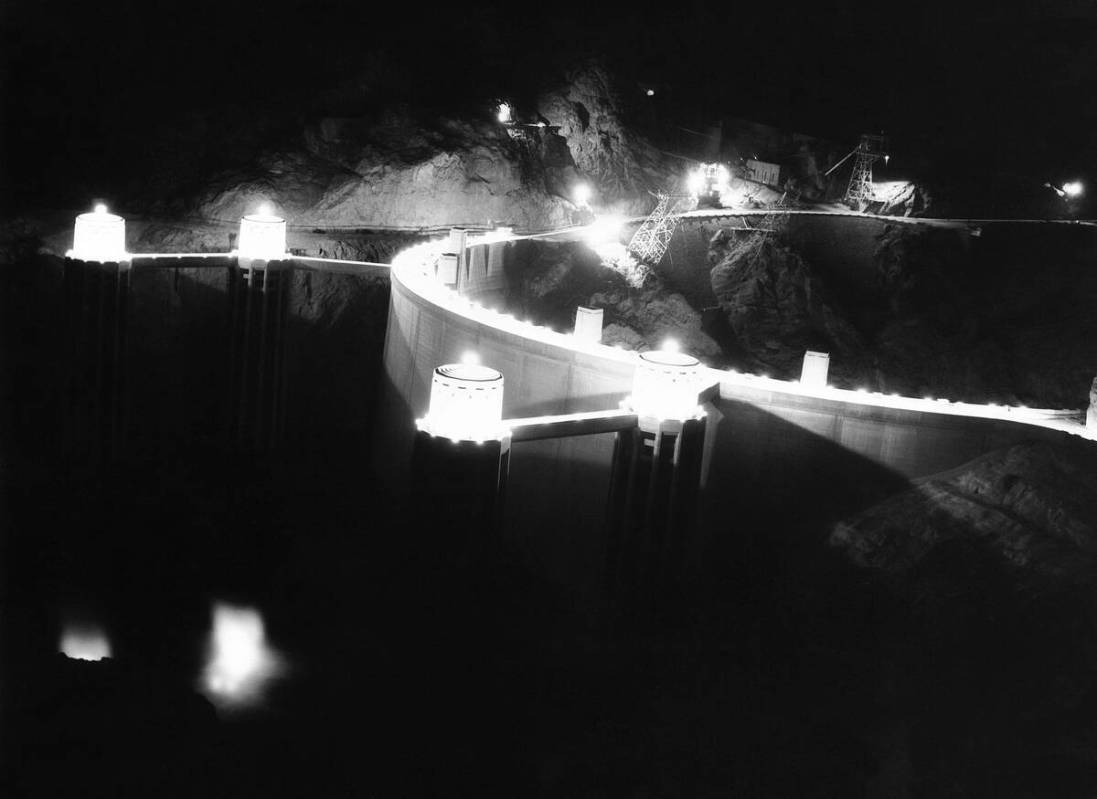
(777, 457)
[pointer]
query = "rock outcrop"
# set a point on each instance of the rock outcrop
(986, 578)
(400, 172)
(1033, 507)
(553, 279)
(775, 304)
(623, 167)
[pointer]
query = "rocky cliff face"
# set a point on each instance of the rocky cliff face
(774, 303)
(400, 173)
(409, 168)
(999, 315)
(553, 279)
(623, 166)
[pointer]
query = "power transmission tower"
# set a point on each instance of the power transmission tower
(868, 151)
(649, 243)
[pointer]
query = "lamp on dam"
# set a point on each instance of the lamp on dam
(657, 476)
(262, 236)
(466, 403)
(461, 458)
(665, 384)
(99, 236)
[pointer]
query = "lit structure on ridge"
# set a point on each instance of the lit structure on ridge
(666, 384)
(709, 183)
(99, 236)
(262, 236)
(466, 403)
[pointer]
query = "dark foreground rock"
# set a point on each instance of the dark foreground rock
(991, 569)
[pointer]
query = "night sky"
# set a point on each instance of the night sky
(89, 88)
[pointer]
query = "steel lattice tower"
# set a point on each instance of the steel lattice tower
(651, 240)
(860, 183)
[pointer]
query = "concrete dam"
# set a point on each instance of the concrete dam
(777, 455)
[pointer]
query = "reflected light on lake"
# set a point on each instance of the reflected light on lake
(84, 642)
(239, 662)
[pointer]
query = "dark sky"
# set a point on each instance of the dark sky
(986, 87)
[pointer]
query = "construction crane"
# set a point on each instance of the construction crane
(870, 149)
(649, 243)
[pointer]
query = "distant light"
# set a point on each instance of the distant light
(239, 661)
(581, 194)
(650, 92)
(466, 403)
(886, 159)
(1073, 189)
(262, 236)
(504, 113)
(84, 642)
(99, 236)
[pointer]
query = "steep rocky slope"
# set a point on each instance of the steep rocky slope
(410, 167)
(548, 280)
(992, 315)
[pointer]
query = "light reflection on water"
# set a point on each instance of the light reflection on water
(82, 641)
(239, 663)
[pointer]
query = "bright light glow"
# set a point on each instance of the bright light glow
(886, 159)
(504, 113)
(239, 661)
(470, 358)
(84, 642)
(665, 385)
(99, 236)
(466, 403)
(581, 194)
(262, 236)
(651, 92)
(890, 191)
(670, 345)
(709, 179)
(695, 184)
(1073, 189)
(604, 229)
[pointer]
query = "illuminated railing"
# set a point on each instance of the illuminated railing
(414, 267)
(100, 236)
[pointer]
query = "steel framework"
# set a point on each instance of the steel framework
(860, 183)
(649, 243)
